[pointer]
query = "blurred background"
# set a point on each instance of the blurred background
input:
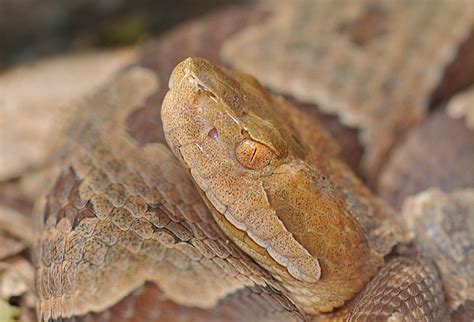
(31, 29)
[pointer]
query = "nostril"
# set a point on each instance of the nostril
(213, 134)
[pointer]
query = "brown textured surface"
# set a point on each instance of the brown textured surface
(123, 194)
(444, 227)
(143, 124)
(356, 61)
(120, 214)
(438, 153)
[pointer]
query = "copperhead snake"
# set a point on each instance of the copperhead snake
(257, 219)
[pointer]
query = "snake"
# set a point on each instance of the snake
(241, 210)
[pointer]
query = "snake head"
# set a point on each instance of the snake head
(231, 108)
(250, 169)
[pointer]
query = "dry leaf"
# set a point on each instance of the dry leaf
(34, 98)
(16, 277)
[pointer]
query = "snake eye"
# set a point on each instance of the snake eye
(253, 155)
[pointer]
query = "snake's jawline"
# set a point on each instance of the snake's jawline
(241, 239)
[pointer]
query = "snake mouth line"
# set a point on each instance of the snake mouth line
(303, 266)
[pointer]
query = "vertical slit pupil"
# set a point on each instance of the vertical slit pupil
(254, 153)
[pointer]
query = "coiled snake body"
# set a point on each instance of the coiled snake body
(262, 222)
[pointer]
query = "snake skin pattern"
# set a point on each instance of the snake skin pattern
(108, 228)
(404, 290)
(125, 236)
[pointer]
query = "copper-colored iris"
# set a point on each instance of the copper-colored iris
(253, 155)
